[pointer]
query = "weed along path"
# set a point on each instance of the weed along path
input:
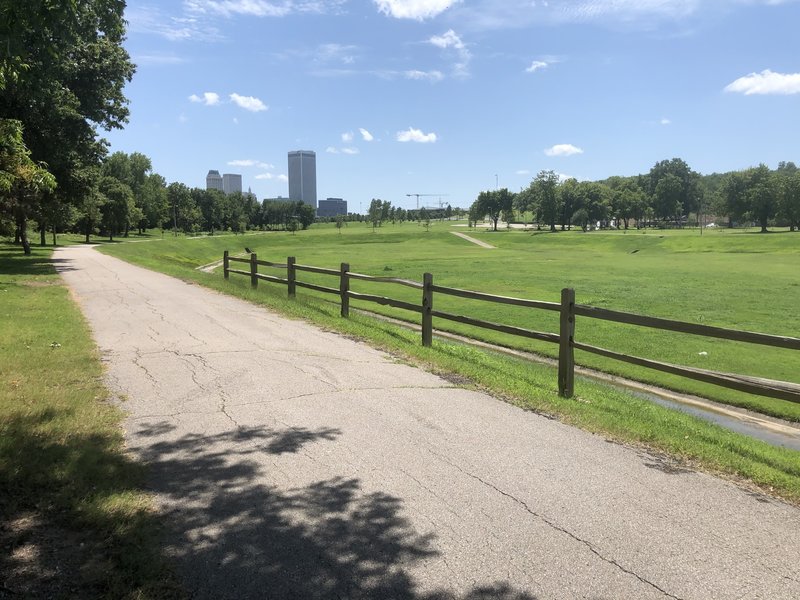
(289, 462)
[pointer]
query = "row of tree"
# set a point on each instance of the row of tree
(382, 211)
(62, 72)
(669, 195)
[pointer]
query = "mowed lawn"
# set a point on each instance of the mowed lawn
(75, 521)
(728, 278)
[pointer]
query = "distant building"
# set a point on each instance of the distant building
(278, 199)
(332, 207)
(303, 176)
(231, 183)
(249, 194)
(214, 180)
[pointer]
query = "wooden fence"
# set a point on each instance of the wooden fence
(567, 310)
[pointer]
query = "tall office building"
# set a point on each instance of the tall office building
(303, 176)
(231, 183)
(214, 180)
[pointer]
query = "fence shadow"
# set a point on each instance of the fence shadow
(235, 537)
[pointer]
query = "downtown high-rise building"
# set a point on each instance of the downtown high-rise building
(231, 183)
(303, 177)
(214, 180)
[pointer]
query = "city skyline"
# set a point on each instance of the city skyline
(404, 97)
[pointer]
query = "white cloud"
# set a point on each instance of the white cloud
(208, 98)
(265, 176)
(536, 65)
(414, 9)
(450, 39)
(336, 53)
(415, 135)
(424, 75)
(158, 59)
(563, 150)
(260, 8)
(152, 20)
(523, 172)
(248, 102)
(365, 135)
(446, 40)
(345, 150)
(249, 162)
(766, 82)
(665, 121)
(616, 14)
(347, 137)
(182, 118)
(282, 178)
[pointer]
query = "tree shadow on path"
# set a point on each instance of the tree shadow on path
(235, 537)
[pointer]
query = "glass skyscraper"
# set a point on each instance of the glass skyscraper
(303, 176)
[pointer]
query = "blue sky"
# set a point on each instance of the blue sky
(449, 97)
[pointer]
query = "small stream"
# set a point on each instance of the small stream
(767, 429)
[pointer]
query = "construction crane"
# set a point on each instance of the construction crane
(418, 195)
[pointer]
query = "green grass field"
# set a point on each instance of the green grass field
(734, 279)
(408, 251)
(74, 521)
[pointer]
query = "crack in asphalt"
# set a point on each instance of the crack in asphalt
(559, 528)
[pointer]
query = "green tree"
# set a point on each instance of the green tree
(23, 182)
(732, 197)
(118, 209)
(545, 190)
(493, 204)
(762, 195)
(62, 72)
(374, 213)
(667, 198)
(570, 200)
(789, 199)
(686, 193)
(596, 199)
(184, 211)
(581, 218)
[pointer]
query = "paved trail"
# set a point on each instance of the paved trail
(473, 240)
(293, 463)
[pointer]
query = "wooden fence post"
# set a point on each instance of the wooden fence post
(291, 276)
(225, 264)
(344, 288)
(253, 271)
(566, 353)
(427, 307)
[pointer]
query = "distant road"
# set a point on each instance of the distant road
(289, 462)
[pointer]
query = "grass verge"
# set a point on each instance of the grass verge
(74, 521)
(598, 408)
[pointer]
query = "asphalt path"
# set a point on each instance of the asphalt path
(289, 462)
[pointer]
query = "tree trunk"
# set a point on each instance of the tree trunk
(22, 225)
(55, 242)
(42, 235)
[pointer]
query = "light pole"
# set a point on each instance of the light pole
(496, 182)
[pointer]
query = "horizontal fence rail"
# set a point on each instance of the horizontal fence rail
(568, 311)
